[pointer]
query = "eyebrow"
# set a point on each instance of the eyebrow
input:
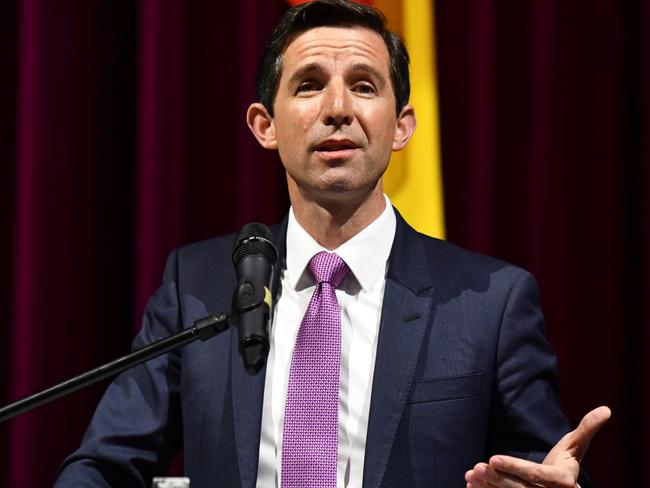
(301, 72)
(356, 68)
(371, 71)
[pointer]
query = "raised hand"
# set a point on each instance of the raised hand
(559, 469)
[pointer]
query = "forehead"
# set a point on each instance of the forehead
(335, 45)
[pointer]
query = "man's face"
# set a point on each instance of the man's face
(334, 121)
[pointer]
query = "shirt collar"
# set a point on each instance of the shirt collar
(366, 253)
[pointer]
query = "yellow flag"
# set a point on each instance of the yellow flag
(414, 177)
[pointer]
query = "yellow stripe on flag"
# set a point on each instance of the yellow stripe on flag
(414, 178)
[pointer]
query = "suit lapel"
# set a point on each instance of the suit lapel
(406, 311)
(247, 397)
(248, 390)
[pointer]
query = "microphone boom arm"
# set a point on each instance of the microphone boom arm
(202, 329)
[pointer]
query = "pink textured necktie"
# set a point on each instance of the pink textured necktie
(311, 415)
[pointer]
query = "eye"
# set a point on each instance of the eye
(364, 88)
(308, 86)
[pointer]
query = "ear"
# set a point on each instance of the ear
(404, 128)
(261, 125)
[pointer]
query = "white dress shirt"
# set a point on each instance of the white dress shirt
(360, 297)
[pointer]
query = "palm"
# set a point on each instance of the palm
(563, 461)
(560, 468)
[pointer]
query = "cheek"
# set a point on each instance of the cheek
(293, 128)
(379, 124)
(384, 137)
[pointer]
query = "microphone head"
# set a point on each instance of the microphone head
(254, 238)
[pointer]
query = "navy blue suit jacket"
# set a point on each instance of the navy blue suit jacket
(463, 371)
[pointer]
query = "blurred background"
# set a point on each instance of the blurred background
(122, 136)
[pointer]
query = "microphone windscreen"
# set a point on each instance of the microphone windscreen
(254, 238)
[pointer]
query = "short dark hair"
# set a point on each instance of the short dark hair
(329, 13)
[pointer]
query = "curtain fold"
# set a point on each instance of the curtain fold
(544, 109)
(127, 139)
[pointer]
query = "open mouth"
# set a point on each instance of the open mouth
(336, 149)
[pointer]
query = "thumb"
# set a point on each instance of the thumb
(590, 424)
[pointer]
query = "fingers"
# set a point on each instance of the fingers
(485, 476)
(559, 470)
(588, 427)
(562, 476)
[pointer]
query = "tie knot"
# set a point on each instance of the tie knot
(328, 267)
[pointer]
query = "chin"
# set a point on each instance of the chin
(339, 187)
(344, 191)
(345, 186)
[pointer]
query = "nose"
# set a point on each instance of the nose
(338, 105)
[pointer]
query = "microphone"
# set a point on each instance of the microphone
(254, 255)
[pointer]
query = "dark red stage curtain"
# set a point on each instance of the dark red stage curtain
(544, 120)
(122, 136)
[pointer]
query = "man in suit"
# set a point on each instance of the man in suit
(443, 360)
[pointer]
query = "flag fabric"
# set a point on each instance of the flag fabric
(414, 177)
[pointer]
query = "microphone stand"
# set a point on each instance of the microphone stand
(202, 329)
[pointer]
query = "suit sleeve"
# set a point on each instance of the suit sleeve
(136, 429)
(526, 418)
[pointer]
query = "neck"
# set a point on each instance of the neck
(333, 222)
